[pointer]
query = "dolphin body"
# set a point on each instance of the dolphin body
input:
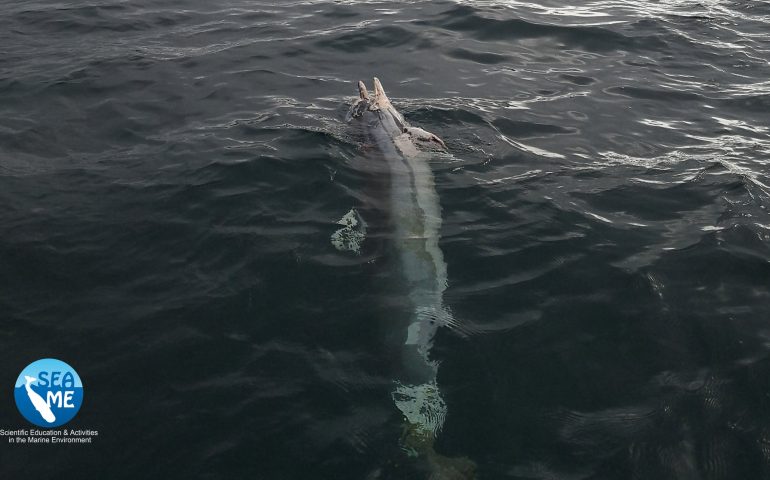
(416, 221)
(37, 401)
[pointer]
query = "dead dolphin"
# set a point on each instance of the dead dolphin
(415, 215)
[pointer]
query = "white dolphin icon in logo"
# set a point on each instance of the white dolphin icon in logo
(38, 402)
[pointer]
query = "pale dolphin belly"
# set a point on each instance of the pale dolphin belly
(416, 220)
(415, 215)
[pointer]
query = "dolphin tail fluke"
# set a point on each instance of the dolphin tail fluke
(419, 445)
(450, 468)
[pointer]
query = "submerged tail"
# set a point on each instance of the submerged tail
(424, 411)
(418, 443)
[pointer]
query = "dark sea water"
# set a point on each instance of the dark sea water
(171, 173)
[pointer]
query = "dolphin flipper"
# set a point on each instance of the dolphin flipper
(380, 99)
(363, 94)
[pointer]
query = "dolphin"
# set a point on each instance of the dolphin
(416, 222)
(37, 401)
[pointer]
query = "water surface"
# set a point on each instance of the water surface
(171, 172)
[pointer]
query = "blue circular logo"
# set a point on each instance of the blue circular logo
(48, 393)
